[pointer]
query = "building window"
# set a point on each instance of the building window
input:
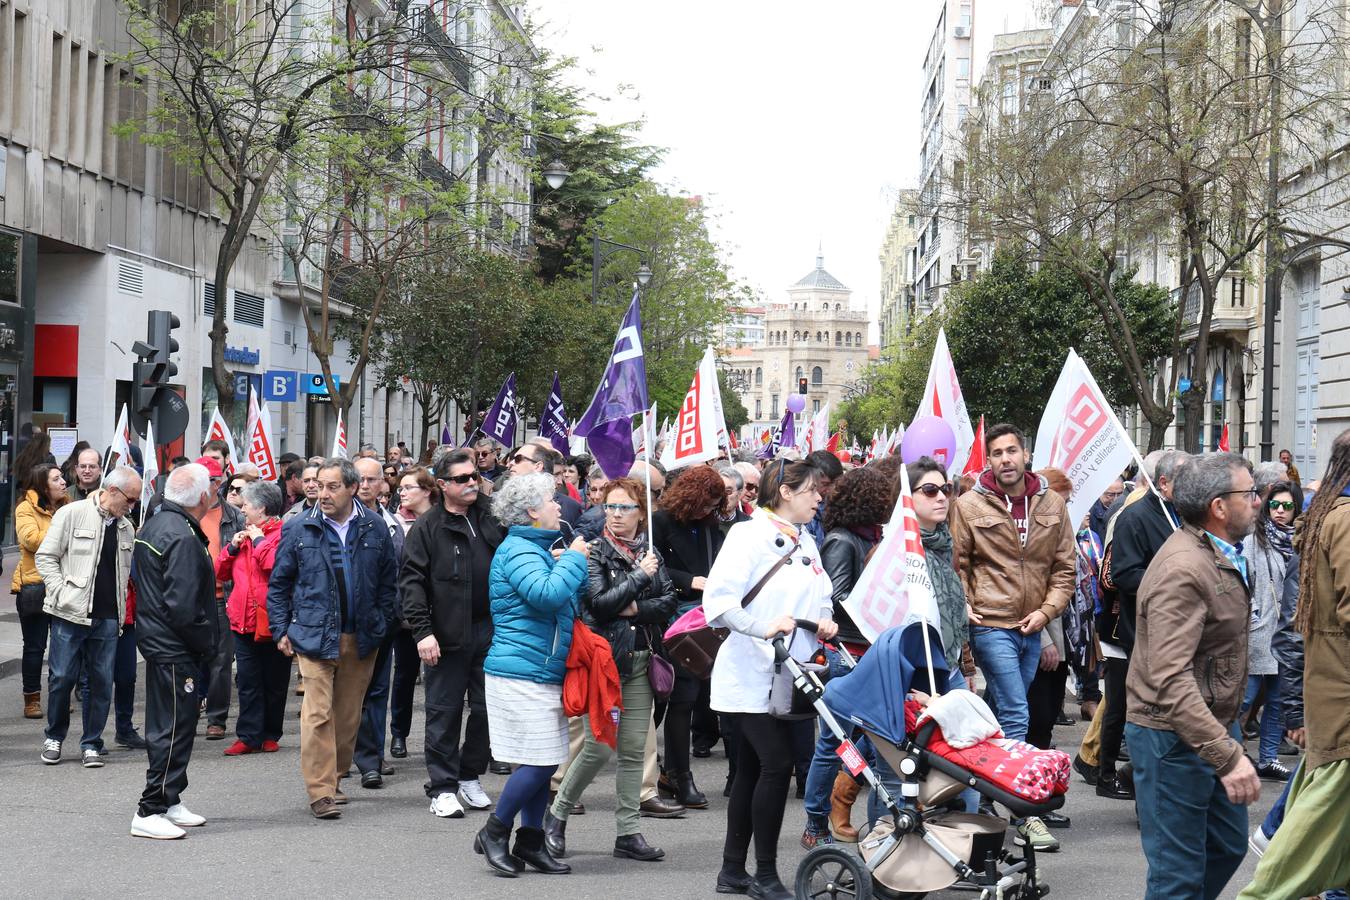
(759, 376)
(1239, 292)
(848, 339)
(838, 307)
(817, 375)
(1008, 105)
(962, 67)
(759, 408)
(773, 405)
(838, 338)
(815, 407)
(800, 373)
(818, 337)
(796, 336)
(824, 307)
(857, 338)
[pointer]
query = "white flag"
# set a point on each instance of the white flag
(817, 434)
(260, 439)
(645, 434)
(151, 469)
(217, 430)
(121, 443)
(942, 397)
(894, 589)
(699, 420)
(1081, 436)
(340, 438)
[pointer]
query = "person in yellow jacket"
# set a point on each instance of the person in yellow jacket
(44, 493)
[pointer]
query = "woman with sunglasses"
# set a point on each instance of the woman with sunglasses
(1273, 574)
(860, 504)
(629, 601)
(234, 494)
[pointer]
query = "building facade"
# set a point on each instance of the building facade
(815, 336)
(899, 258)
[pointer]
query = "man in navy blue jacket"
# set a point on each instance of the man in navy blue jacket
(332, 602)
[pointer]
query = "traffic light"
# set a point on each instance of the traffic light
(154, 367)
(801, 385)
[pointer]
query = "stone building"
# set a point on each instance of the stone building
(815, 336)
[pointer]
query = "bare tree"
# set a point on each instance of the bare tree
(1154, 128)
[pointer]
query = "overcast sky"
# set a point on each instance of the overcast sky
(796, 121)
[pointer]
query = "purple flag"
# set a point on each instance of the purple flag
(554, 423)
(622, 393)
(786, 436)
(447, 439)
(500, 424)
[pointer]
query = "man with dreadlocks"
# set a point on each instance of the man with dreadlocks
(1307, 854)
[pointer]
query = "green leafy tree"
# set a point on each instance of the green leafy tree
(734, 412)
(1009, 330)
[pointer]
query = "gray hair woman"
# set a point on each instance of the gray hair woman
(534, 596)
(263, 672)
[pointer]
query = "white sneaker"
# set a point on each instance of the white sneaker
(51, 752)
(472, 795)
(157, 827)
(183, 817)
(447, 806)
(91, 759)
(1259, 842)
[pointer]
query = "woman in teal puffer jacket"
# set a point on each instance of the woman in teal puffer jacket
(534, 589)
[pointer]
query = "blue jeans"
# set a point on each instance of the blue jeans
(93, 649)
(369, 751)
(1272, 714)
(1008, 659)
(1194, 838)
(124, 681)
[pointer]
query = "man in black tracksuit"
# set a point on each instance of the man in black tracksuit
(176, 632)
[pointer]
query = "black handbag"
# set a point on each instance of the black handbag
(30, 598)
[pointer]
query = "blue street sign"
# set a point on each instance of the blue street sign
(281, 385)
(315, 384)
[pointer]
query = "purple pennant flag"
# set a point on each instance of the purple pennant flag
(784, 437)
(447, 440)
(500, 424)
(554, 423)
(622, 393)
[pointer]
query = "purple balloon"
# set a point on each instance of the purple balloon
(795, 403)
(928, 436)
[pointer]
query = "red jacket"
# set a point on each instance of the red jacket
(250, 567)
(591, 685)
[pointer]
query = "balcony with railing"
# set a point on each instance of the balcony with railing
(1235, 301)
(432, 169)
(454, 58)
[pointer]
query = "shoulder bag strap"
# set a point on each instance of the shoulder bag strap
(759, 585)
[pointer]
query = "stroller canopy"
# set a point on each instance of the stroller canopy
(872, 696)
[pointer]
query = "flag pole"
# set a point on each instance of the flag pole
(647, 472)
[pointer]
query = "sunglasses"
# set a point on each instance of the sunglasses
(521, 457)
(1286, 505)
(461, 479)
(932, 490)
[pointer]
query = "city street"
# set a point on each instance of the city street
(66, 830)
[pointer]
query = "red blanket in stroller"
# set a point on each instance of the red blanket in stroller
(1017, 767)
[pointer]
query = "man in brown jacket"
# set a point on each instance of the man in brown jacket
(1308, 853)
(1013, 545)
(1185, 684)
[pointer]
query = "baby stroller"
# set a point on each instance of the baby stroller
(923, 844)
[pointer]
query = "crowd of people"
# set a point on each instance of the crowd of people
(1200, 604)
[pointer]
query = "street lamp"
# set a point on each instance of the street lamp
(555, 173)
(598, 257)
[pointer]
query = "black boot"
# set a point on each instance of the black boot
(493, 842)
(733, 879)
(530, 849)
(555, 835)
(687, 793)
(768, 887)
(635, 846)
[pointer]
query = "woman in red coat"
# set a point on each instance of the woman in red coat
(262, 672)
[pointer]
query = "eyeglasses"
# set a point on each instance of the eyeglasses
(1249, 493)
(461, 479)
(1286, 505)
(521, 457)
(620, 508)
(932, 490)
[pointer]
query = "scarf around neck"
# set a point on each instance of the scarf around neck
(947, 590)
(1279, 539)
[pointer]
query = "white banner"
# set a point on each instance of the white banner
(1080, 436)
(340, 438)
(894, 589)
(699, 421)
(942, 397)
(121, 443)
(217, 430)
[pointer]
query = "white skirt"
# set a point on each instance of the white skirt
(526, 721)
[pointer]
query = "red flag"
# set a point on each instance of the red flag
(976, 463)
(735, 445)
(1223, 439)
(835, 440)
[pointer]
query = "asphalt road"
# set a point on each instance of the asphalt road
(64, 833)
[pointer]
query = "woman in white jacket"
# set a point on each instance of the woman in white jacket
(743, 672)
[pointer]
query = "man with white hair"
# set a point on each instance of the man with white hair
(176, 633)
(750, 492)
(84, 561)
